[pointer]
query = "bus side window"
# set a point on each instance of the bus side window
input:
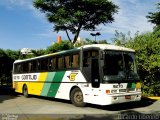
(52, 64)
(15, 68)
(35, 65)
(44, 64)
(18, 68)
(75, 60)
(67, 62)
(30, 67)
(25, 67)
(60, 62)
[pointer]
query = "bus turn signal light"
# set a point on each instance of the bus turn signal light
(107, 91)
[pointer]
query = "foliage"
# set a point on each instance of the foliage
(121, 38)
(102, 42)
(7, 58)
(76, 15)
(38, 52)
(147, 47)
(12, 54)
(88, 41)
(154, 17)
(63, 45)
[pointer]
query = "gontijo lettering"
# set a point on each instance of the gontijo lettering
(29, 77)
(25, 77)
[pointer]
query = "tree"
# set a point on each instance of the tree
(154, 17)
(76, 15)
(56, 47)
(7, 57)
(102, 42)
(147, 47)
(38, 52)
(14, 55)
(3, 57)
(121, 38)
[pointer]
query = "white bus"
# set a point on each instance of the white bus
(99, 74)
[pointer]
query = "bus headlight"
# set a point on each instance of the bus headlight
(138, 85)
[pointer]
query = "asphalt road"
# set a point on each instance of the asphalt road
(34, 107)
(17, 107)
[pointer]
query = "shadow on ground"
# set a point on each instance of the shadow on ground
(6, 93)
(124, 111)
(115, 107)
(125, 106)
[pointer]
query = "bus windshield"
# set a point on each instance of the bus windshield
(119, 66)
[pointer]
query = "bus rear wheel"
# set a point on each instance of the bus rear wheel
(77, 97)
(25, 91)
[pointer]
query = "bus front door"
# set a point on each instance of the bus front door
(95, 77)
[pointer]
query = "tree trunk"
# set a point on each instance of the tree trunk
(68, 36)
(77, 34)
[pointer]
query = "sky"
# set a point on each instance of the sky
(23, 26)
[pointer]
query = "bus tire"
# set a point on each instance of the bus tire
(77, 97)
(25, 91)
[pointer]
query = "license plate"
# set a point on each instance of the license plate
(127, 97)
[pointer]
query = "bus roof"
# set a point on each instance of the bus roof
(109, 47)
(47, 55)
(100, 46)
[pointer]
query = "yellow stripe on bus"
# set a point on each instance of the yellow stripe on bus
(19, 86)
(36, 87)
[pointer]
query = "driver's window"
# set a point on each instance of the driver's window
(87, 55)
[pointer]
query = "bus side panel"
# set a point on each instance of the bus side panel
(52, 83)
(34, 87)
(18, 86)
(70, 79)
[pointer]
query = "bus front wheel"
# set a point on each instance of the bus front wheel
(77, 97)
(25, 91)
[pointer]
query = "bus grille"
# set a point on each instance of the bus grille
(122, 90)
(127, 90)
(131, 90)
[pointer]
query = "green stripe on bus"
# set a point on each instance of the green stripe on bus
(47, 83)
(55, 86)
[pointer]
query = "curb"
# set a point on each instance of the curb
(154, 98)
